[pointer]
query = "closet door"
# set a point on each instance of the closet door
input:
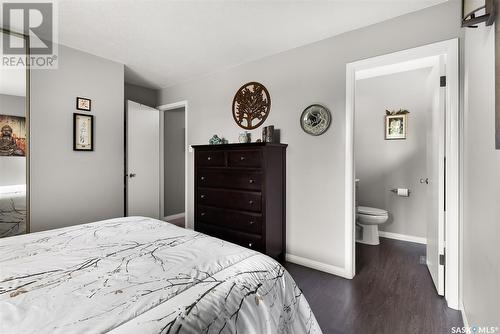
(143, 161)
(14, 153)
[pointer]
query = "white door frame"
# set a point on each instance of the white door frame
(163, 108)
(453, 181)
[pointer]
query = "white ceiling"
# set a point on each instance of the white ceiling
(164, 42)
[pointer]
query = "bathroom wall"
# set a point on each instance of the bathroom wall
(385, 164)
(174, 161)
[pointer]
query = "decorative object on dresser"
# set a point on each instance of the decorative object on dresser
(251, 102)
(268, 134)
(244, 137)
(240, 194)
(315, 119)
(215, 140)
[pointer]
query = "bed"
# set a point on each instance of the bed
(12, 210)
(141, 275)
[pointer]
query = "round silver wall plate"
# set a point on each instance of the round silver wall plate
(315, 119)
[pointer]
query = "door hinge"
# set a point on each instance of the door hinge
(442, 81)
(442, 259)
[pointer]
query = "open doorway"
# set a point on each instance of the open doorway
(173, 163)
(411, 187)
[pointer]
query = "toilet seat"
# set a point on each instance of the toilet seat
(366, 210)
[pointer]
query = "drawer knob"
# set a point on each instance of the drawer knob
(203, 214)
(252, 222)
(250, 244)
(209, 158)
(250, 202)
(242, 158)
(202, 178)
(251, 181)
(202, 196)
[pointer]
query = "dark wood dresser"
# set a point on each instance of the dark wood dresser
(240, 194)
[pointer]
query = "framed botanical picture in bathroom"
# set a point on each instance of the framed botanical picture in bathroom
(395, 126)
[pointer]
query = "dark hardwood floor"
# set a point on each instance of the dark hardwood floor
(392, 292)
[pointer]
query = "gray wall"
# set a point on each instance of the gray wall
(142, 95)
(12, 169)
(174, 161)
(481, 221)
(385, 164)
(71, 187)
(311, 74)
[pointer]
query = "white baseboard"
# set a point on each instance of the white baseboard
(403, 237)
(176, 216)
(327, 268)
(464, 316)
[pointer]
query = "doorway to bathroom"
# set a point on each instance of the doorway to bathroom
(402, 161)
(173, 155)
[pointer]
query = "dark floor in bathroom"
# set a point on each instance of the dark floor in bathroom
(392, 293)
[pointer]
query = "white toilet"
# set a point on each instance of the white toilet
(369, 219)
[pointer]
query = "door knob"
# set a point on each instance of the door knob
(131, 175)
(426, 180)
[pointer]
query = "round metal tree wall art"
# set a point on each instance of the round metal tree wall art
(251, 105)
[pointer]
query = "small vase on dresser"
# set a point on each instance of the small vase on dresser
(240, 194)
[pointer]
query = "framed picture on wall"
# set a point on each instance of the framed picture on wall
(395, 126)
(83, 104)
(12, 136)
(83, 132)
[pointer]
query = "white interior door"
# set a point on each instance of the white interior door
(143, 160)
(434, 180)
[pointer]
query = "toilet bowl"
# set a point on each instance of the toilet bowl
(369, 219)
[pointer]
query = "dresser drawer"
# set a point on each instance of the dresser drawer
(231, 199)
(247, 240)
(210, 158)
(244, 158)
(228, 179)
(241, 221)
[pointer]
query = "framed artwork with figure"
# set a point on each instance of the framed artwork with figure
(395, 126)
(12, 136)
(83, 132)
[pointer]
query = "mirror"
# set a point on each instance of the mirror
(14, 144)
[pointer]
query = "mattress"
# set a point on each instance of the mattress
(140, 275)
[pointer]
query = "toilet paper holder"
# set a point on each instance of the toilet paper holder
(395, 190)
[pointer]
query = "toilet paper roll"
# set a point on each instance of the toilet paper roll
(404, 192)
